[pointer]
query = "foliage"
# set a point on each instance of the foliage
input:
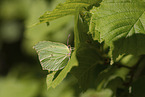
(93, 93)
(108, 56)
(13, 86)
(55, 31)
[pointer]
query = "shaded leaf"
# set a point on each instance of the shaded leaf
(88, 56)
(130, 45)
(89, 66)
(110, 74)
(115, 84)
(138, 87)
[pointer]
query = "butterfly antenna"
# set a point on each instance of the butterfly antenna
(68, 40)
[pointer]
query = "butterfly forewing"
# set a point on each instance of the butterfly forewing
(53, 56)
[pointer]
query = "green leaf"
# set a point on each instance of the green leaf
(110, 74)
(88, 56)
(53, 56)
(51, 82)
(93, 93)
(131, 45)
(118, 23)
(89, 66)
(129, 60)
(57, 30)
(11, 86)
(49, 79)
(70, 7)
(65, 89)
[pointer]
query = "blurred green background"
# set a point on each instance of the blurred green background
(21, 74)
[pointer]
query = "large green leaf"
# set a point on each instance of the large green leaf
(119, 22)
(53, 56)
(89, 66)
(70, 7)
(88, 56)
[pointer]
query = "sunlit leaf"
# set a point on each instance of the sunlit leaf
(93, 93)
(118, 23)
(53, 82)
(70, 7)
(50, 78)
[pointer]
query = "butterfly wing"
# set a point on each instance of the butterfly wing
(53, 56)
